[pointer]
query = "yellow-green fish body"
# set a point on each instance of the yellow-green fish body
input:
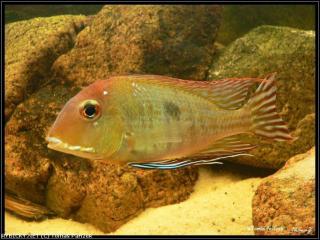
(164, 121)
(148, 118)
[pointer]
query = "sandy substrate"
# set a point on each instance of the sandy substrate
(220, 204)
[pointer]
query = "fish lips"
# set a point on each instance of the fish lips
(57, 144)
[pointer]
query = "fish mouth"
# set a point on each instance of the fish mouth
(57, 144)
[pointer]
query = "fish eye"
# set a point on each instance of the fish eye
(90, 110)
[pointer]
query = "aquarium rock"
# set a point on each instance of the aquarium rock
(237, 20)
(284, 203)
(291, 53)
(31, 48)
(16, 12)
(156, 39)
(28, 165)
(110, 195)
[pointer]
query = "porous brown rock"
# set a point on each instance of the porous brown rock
(17, 12)
(31, 48)
(291, 54)
(151, 39)
(284, 203)
(27, 163)
(119, 194)
(238, 20)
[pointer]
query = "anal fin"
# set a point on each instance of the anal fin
(228, 147)
(172, 164)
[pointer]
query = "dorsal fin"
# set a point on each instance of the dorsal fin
(229, 93)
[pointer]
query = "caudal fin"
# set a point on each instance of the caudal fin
(25, 208)
(266, 121)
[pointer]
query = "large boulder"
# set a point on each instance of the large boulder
(115, 195)
(237, 20)
(31, 48)
(19, 12)
(27, 164)
(120, 39)
(149, 39)
(284, 203)
(291, 53)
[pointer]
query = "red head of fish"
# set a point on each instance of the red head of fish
(87, 126)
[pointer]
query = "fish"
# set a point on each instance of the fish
(159, 122)
(26, 209)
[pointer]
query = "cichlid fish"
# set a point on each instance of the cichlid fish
(160, 122)
(26, 209)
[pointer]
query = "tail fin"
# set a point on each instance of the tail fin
(26, 209)
(266, 121)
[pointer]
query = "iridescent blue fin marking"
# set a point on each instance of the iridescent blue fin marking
(174, 164)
